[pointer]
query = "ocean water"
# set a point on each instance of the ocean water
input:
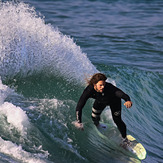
(48, 48)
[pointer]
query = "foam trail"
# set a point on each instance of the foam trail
(18, 153)
(28, 45)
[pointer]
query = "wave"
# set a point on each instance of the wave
(28, 46)
(37, 103)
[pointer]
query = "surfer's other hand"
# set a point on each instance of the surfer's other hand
(128, 104)
(78, 125)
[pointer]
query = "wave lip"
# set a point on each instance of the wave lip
(28, 46)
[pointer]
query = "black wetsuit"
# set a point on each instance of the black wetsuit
(111, 96)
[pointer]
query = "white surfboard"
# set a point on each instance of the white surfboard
(112, 134)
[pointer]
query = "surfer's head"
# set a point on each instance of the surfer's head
(98, 81)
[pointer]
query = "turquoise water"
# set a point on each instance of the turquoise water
(49, 48)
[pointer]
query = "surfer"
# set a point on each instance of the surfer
(105, 94)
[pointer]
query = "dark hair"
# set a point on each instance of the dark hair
(96, 78)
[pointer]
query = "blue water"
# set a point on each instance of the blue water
(47, 51)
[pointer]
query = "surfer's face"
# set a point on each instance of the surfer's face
(99, 87)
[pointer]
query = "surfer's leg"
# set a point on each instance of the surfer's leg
(96, 112)
(116, 114)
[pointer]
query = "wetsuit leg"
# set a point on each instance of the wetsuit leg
(116, 114)
(96, 111)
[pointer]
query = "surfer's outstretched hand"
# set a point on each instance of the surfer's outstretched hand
(78, 125)
(128, 104)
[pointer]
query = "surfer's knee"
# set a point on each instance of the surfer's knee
(117, 118)
(96, 112)
(96, 116)
(117, 113)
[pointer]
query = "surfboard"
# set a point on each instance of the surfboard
(112, 134)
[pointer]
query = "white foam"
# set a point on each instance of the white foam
(18, 153)
(28, 45)
(15, 116)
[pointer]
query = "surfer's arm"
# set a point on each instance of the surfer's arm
(120, 94)
(82, 101)
(125, 97)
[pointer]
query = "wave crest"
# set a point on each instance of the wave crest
(28, 45)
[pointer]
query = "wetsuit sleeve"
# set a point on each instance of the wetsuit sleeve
(120, 94)
(82, 101)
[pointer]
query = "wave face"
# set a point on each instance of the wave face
(42, 75)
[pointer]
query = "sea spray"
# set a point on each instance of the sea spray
(28, 45)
